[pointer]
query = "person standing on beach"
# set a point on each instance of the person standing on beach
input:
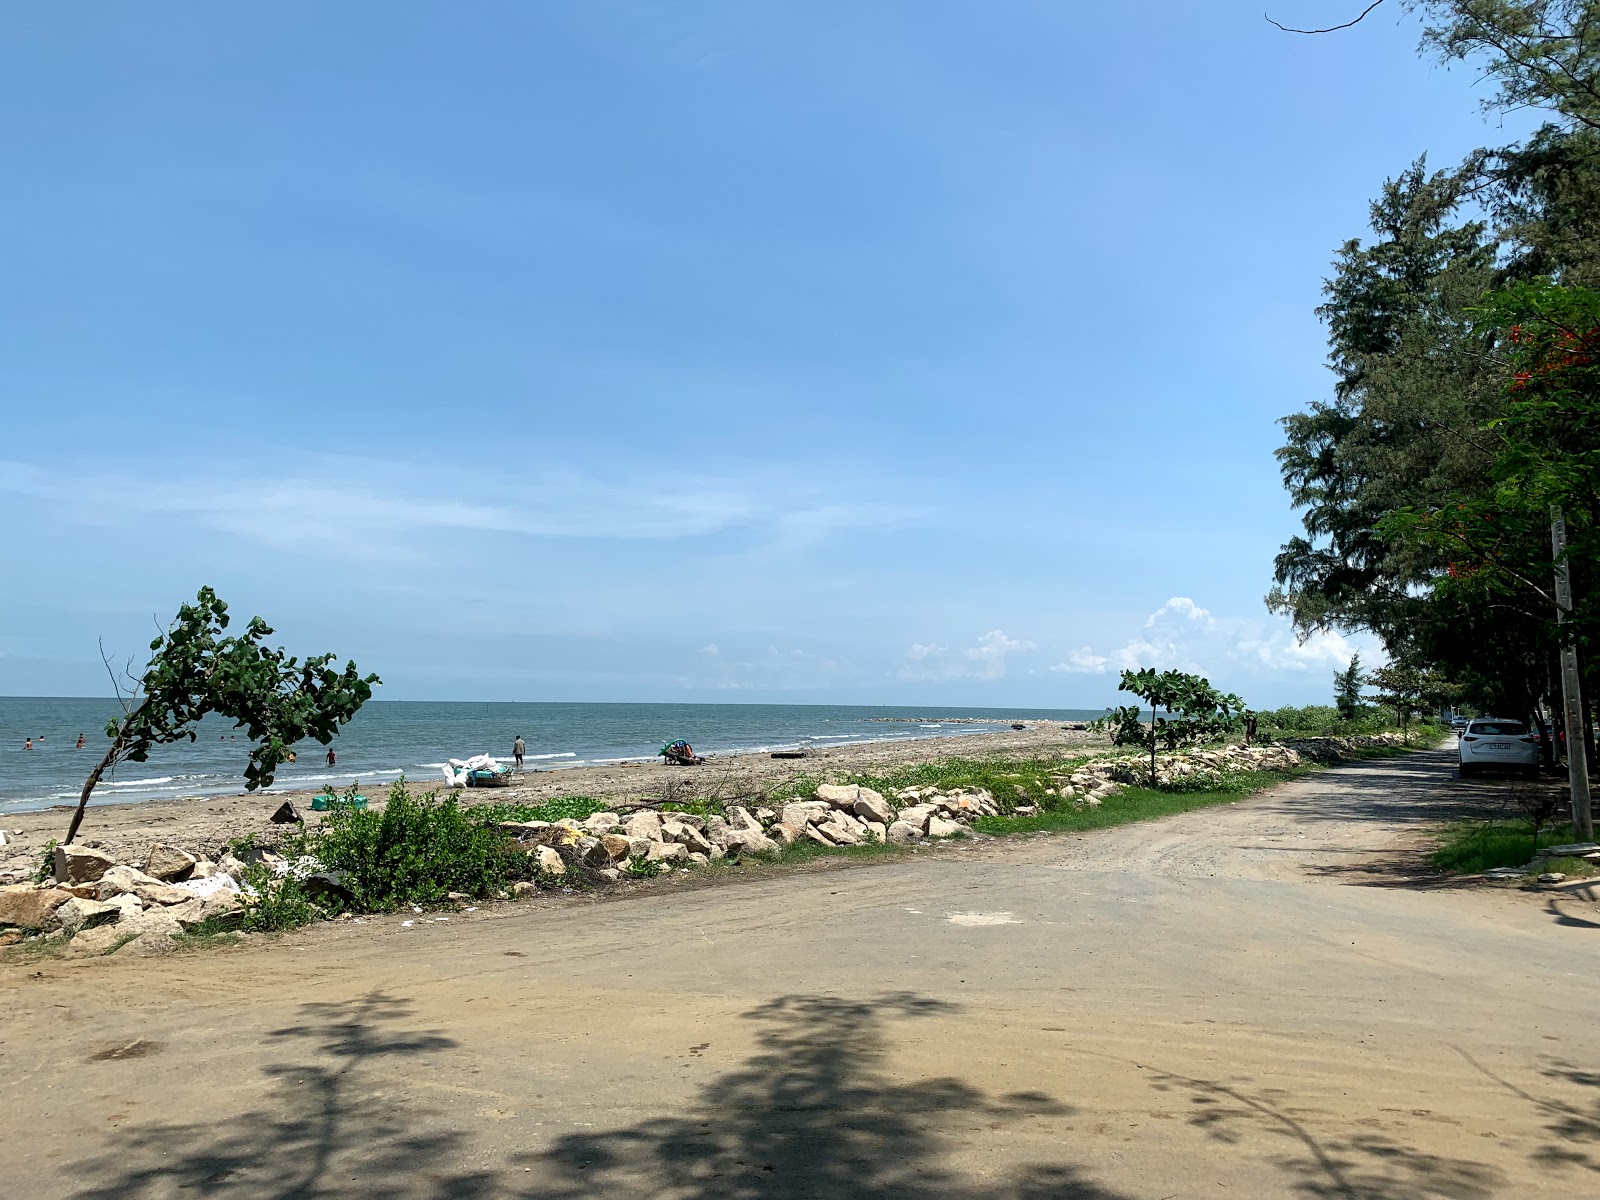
(518, 749)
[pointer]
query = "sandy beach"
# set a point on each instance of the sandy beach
(207, 822)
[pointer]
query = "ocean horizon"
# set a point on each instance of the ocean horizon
(414, 738)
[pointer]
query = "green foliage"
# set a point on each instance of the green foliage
(195, 670)
(1011, 781)
(1538, 53)
(1347, 685)
(1195, 712)
(638, 868)
(563, 808)
(280, 902)
(46, 870)
(416, 850)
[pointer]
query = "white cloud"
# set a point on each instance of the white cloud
(986, 660)
(1183, 636)
(1183, 607)
(710, 649)
(346, 509)
(1084, 661)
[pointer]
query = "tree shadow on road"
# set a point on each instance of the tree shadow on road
(1572, 1125)
(330, 1137)
(813, 1114)
(1414, 796)
(1370, 1164)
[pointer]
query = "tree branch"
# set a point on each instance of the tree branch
(1330, 28)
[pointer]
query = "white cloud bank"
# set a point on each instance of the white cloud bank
(985, 660)
(1183, 636)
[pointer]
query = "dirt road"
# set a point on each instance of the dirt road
(1236, 1002)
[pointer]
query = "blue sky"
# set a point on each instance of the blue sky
(843, 352)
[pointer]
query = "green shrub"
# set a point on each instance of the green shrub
(280, 902)
(564, 808)
(417, 850)
(1324, 720)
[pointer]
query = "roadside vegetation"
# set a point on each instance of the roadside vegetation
(1472, 847)
(428, 851)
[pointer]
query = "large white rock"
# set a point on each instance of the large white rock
(901, 832)
(644, 824)
(940, 827)
(803, 812)
(838, 795)
(837, 832)
(601, 822)
(610, 850)
(870, 806)
(686, 835)
(23, 906)
(667, 852)
(752, 841)
(78, 914)
(81, 864)
(785, 834)
(917, 815)
(549, 860)
(127, 905)
(122, 880)
(742, 818)
(717, 831)
(168, 863)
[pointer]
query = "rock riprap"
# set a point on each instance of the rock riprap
(105, 904)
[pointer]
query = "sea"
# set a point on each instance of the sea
(391, 738)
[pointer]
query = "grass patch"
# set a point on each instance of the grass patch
(1011, 781)
(563, 808)
(1132, 804)
(1472, 847)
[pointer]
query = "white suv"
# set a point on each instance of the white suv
(1493, 742)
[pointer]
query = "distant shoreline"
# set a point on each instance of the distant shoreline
(208, 821)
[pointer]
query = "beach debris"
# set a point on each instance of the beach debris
(286, 814)
(481, 770)
(788, 754)
(679, 754)
(329, 801)
(168, 863)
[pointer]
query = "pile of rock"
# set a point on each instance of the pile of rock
(834, 815)
(1334, 749)
(104, 902)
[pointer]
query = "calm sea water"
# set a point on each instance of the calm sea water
(389, 738)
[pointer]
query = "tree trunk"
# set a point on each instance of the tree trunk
(88, 786)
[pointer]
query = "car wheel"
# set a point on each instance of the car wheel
(1530, 772)
(1466, 770)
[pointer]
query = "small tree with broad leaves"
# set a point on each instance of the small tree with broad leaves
(1195, 712)
(195, 670)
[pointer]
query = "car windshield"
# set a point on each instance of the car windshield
(1503, 728)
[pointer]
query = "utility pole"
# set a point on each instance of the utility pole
(1571, 688)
